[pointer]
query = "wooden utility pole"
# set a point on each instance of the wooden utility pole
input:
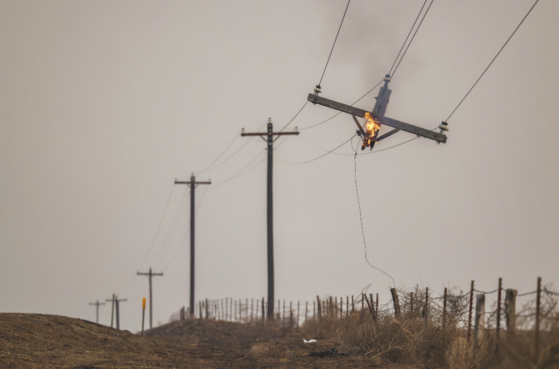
(117, 301)
(150, 275)
(192, 184)
(97, 304)
(112, 308)
(270, 205)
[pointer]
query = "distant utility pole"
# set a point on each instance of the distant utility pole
(270, 211)
(117, 304)
(112, 308)
(150, 275)
(192, 184)
(97, 304)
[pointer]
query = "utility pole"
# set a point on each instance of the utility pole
(112, 308)
(150, 275)
(270, 206)
(192, 184)
(117, 304)
(97, 304)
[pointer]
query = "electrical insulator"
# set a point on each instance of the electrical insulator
(143, 303)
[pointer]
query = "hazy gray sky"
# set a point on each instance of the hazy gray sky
(104, 104)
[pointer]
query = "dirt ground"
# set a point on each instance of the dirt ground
(50, 341)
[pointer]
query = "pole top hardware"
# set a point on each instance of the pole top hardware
(317, 89)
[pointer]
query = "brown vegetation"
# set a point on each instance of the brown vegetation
(417, 336)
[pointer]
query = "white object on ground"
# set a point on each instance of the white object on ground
(309, 341)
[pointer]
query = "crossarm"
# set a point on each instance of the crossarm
(439, 137)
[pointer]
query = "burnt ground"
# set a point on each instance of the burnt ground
(51, 341)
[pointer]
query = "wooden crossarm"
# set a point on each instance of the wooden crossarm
(439, 137)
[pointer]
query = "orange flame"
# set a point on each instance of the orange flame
(372, 126)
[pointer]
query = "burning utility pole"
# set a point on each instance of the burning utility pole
(192, 184)
(270, 206)
(376, 118)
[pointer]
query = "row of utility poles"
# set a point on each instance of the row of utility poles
(271, 137)
(115, 311)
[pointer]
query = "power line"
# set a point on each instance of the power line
(406, 40)
(236, 152)
(219, 156)
(154, 238)
(172, 230)
(321, 156)
(229, 157)
(417, 29)
(292, 119)
(239, 173)
(336, 39)
(516, 29)
(361, 216)
(159, 227)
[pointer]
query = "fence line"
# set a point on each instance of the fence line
(415, 303)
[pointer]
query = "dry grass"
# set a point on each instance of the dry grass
(410, 339)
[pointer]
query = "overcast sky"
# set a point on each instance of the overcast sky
(104, 104)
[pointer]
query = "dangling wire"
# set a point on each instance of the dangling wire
(361, 215)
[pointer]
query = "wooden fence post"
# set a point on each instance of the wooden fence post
(411, 303)
(426, 308)
(376, 310)
(470, 313)
(264, 311)
(537, 328)
(370, 306)
(318, 307)
(497, 332)
(444, 308)
(336, 308)
(283, 319)
(395, 301)
(314, 311)
(510, 310)
(306, 309)
(290, 314)
(480, 317)
(298, 302)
